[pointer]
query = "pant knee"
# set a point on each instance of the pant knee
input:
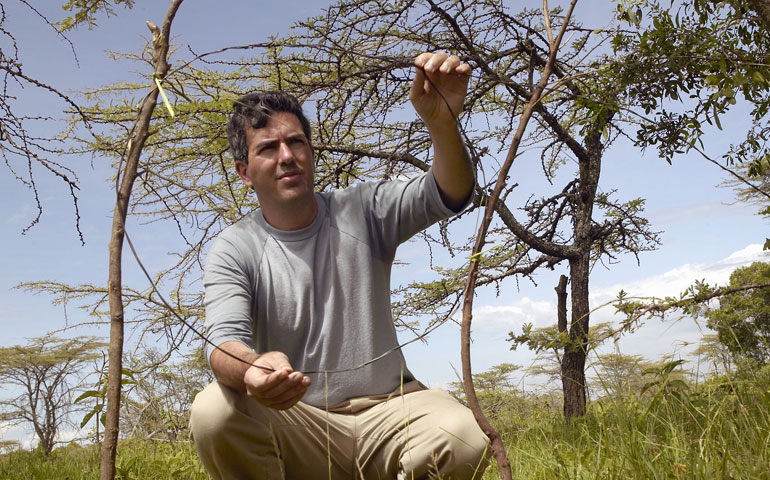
(211, 412)
(464, 448)
(452, 443)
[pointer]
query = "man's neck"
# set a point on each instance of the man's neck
(288, 217)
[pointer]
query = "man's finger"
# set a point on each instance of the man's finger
(435, 61)
(464, 69)
(275, 386)
(285, 399)
(292, 395)
(422, 59)
(450, 64)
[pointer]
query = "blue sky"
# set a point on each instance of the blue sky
(705, 233)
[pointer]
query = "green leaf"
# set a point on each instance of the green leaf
(88, 394)
(648, 386)
(670, 366)
(713, 80)
(88, 417)
(678, 384)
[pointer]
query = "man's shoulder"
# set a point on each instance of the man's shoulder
(363, 191)
(248, 223)
(244, 233)
(344, 197)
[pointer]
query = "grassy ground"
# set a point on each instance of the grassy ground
(137, 460)
(716, 430)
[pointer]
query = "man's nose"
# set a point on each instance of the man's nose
(285, 154)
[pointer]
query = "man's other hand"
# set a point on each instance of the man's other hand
(280, 389)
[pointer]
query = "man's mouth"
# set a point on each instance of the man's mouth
(290, 175)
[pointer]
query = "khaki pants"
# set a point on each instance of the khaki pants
(421, 434)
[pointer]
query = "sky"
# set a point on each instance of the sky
(705, 233)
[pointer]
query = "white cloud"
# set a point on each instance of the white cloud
(654, 338)
(674, 334)
(18, 432)
(512, 317)
(690, 213)
(28, 440)
(676, 280)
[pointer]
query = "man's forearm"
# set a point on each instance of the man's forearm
(452, 167)
(228, 370)
(438, 93)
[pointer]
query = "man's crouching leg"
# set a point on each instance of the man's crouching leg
(427, 434)
(238, 438)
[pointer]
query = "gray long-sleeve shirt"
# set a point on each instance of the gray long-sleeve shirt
(321, 295)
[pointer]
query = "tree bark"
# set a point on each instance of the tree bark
(561, 304)
(573, 363)
(114, 285)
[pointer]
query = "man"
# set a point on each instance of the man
(303, 285)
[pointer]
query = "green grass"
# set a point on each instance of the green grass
(137, 460)
(719, 429)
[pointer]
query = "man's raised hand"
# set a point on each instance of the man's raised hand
(445, 73)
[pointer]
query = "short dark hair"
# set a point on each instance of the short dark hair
(253, 110)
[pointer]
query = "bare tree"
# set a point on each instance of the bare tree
(141, 132)
(24, 152)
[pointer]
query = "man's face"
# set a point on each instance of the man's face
(280, 167)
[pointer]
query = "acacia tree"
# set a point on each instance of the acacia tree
(157, 403)
(356, 75)
(44, 375)
(23, 151)
(715, 354)
(713, 55)
(618, 375)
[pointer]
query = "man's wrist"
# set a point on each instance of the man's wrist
(443, 127)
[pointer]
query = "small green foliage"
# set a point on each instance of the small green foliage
(664, 383)
(743, 318)
(98, 395)
(708, 53)
(715, 429)
(85, 11)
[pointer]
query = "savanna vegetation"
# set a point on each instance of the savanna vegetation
(674, 426)
(547, 84)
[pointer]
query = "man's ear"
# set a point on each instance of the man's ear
(241, 168)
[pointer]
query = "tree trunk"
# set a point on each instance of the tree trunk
(574, 361)
(561, 304)
(114, 285)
